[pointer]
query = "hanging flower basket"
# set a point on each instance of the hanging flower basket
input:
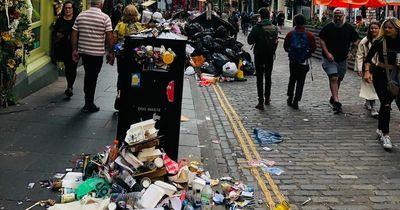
(15, 36)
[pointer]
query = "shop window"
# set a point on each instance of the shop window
(36, 11)
(36, 23)
(36, 34)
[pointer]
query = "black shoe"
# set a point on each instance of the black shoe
(337, 107)
(289, 101)
(68, 93)
(91, 108)
(260, 106)
(267, 101)
(331, 101)
(295, 105)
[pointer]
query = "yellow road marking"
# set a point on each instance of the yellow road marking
(224, 103)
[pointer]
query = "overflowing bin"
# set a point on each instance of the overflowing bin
(151, 82)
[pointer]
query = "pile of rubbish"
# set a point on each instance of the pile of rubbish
(139, 175)
(213, 52)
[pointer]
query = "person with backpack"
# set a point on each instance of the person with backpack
(264, 36)
(339, 42)
(299, 44)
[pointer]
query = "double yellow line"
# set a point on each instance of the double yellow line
(249, 149)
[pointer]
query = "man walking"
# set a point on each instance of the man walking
(265, 37)
(90, 30)
(339, 43)
(299, 43)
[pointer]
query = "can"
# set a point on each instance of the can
(56, 184)
(145, 182)
(66, 198)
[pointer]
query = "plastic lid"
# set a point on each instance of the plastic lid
(168, 58)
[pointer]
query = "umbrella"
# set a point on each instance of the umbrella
(375, 3)
(351, 3)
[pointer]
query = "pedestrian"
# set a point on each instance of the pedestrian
(299, 44)
(116, 15)
(338, 41)
(63, 49)
(274, 19)
(280, 18)
(387, 47)
(367, 90)
(234, 20)
(245, 22)
(90, 30)
(264, 36)
(129, 24)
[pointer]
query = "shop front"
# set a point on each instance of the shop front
(37, 71)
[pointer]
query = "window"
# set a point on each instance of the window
(36, 23)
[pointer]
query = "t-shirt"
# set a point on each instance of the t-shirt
(92, 26)
(338, 40)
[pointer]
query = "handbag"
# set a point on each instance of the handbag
(392, 86)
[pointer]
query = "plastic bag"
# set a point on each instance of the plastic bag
(229, 69)
(98, 185)
(267, 137)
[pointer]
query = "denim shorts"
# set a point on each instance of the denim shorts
(338, 68)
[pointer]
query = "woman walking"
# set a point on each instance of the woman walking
(63, 48)
(387, 47)
(367, 90)
(129, 24)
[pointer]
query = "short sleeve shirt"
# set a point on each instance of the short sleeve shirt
(338, 40)
(92, 26)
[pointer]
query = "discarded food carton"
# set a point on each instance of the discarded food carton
(168, 188)
(151, 197)
(141, 131)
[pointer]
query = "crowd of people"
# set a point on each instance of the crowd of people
(377, 59)
(92, 34)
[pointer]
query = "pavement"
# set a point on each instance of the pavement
(333, 159)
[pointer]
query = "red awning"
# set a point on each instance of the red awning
(352, 3)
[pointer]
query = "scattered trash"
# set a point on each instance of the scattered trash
(267, 137)
(282, 206)
(273, 170)
(184, 118)
(306, 120)
(201, 146)
(208, 118)
(19, 202)
(30, 185)
(68, 169)
(58, 175)
(267, 149)
(306, 201)
(216, 141)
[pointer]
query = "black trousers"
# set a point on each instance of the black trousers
(297, 77)
(70, 72)
(385, 98)
(264, 64)
(92, 66)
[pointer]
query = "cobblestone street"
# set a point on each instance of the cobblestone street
(334, 159)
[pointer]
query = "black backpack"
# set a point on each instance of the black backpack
(266, 41)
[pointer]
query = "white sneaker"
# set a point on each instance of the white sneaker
(367, 105)
(374, 113)
(386, 142)
(379, 134)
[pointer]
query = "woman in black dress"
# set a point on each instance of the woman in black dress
(63, 49)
